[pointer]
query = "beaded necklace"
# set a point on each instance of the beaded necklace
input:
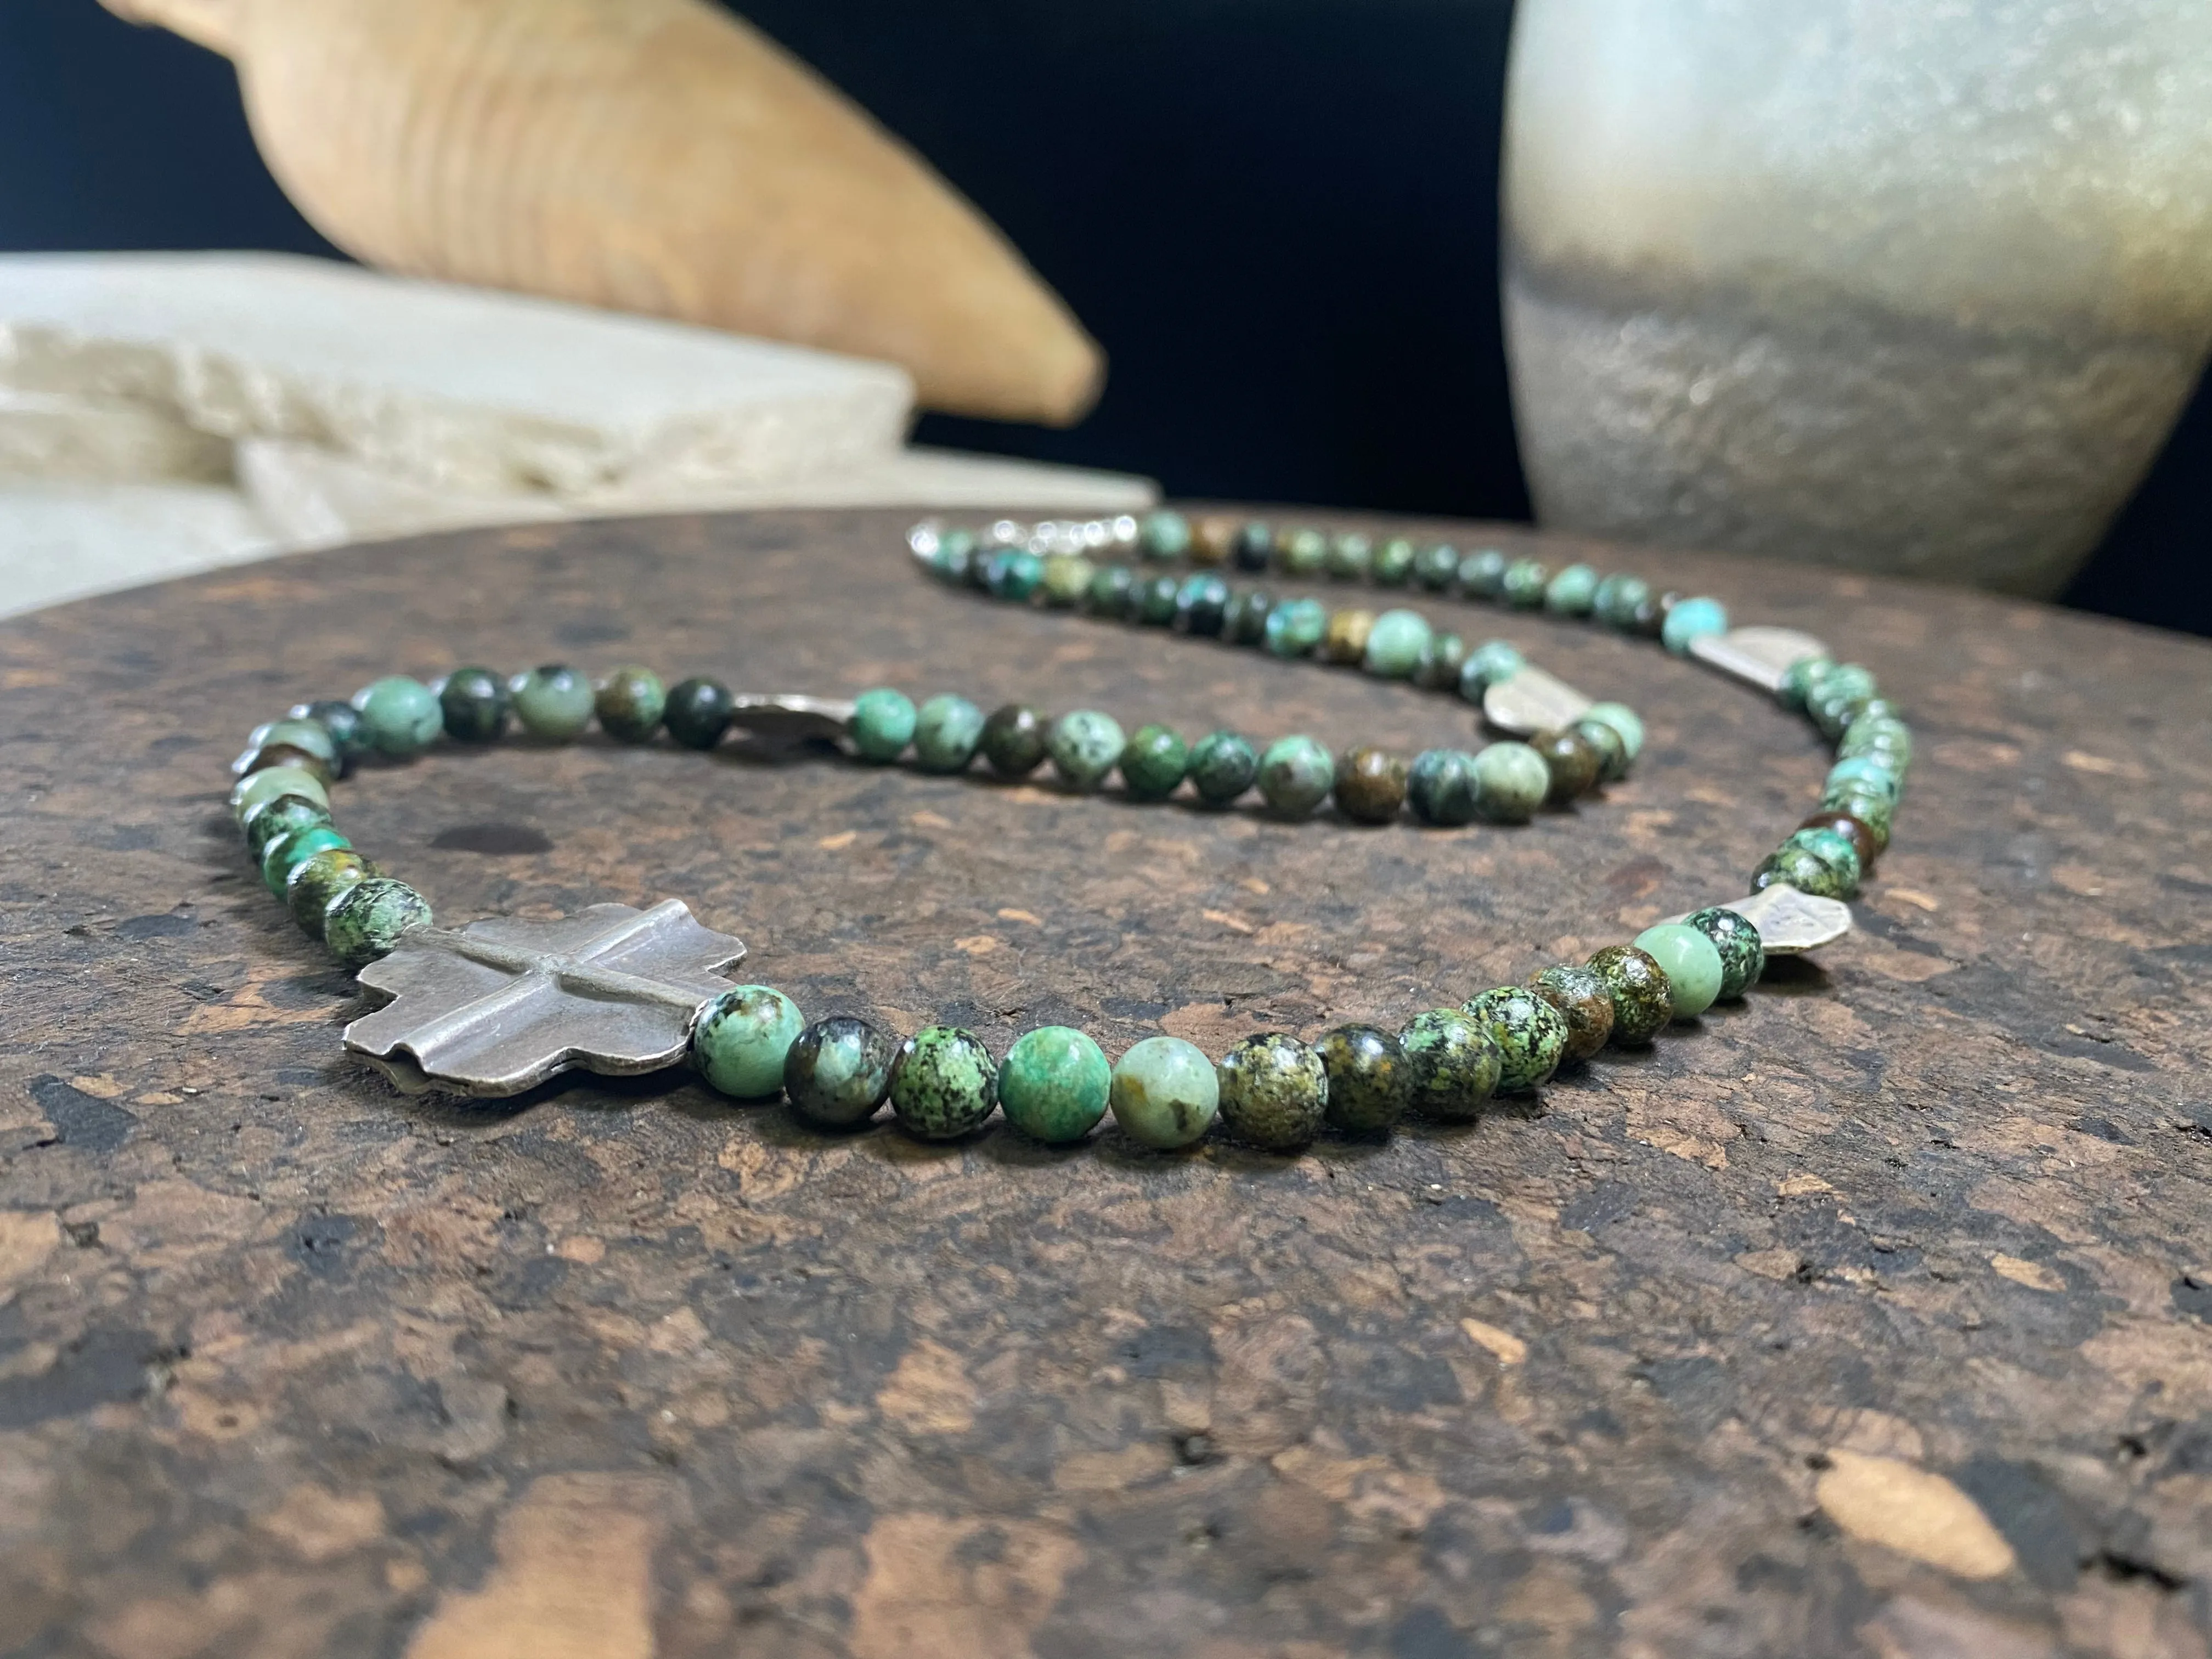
(504, 1004)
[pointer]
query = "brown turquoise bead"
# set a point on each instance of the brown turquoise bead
(629, 703)
(1274, 1092)
(1854, 830)
(1370, 785)
(1643, 1000)
(1345, 638)
(1583, 1002)
(1573, 761)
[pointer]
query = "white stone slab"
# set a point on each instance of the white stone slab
(60, 542)
(54, 439)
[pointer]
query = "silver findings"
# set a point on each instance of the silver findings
(1790, 922)
(1757, 656)
(1529, 700)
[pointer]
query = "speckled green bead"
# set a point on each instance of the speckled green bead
(1835, 851)
(697, 712)
(1437, 568)
(1573, 592)
(286, 852)
(1583, 1001)
(1295, 627)
(552, 703)
(1053, 1084)
(402, 716)
(1112, 588)
(1085, 746)
(1153, 762)
(1013, 573)
(1840, 697)
(1799, 679)
(1443, 660)
(1351, 554)
(1165, 1093)
(1223, 766)
(1884, 738)
(1691, 620)
(1393, 564)
(366, 920)
(1163, 535)
(947, 731)
(1244, 619)
(629, 703)
(1275, 1092)
(1531, 1035)
(1692, 962)
(281, 816)
(1013, 740)
(1864, 773)
(944, 1085)
(740, 1039)
(1452, 1065)
(1369, 1082)
(1617, 598)
(1296, 776)
(1492, 661)
(276, 781)
(1253, 545)
(317, 882)
(1796, 867)
(1395, 642)
(1525, 582)
(1511, 783)
(883, 723)
(1068, 579)
(1622, 718)
(1642, 1001)
(837, 1072)
(1743, 954)
(1612, 748)
(474, 704)
(1302, 552)
(1441, 786)
(1481, 574)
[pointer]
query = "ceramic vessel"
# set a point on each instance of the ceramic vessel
(1879, 284)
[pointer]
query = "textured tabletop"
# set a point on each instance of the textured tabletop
(1869, 1316)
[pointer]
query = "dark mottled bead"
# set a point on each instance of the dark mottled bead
(1153, 762)
(1113, 586)
(1154, 601)
(944, 1083)
(1255, 546)
(1482, 574)
(1442, 663)
(283, 853)
(1643, 1000)
(1223, 765)
(698, 712)
(1202, 603)
(1013, 740)
(1452, 1065)
(1013, 573)
(1573, 761)
(1370, 785)
(474, 704)
(1369, 1082)
(1274, 1092)
(1245, 620)
(316, 882)
(1650, 616)
(1612, 748)
(629, 703)
(1743, 955)
(1793, 866)
(349, 733)
(281, 816)
(1393, 564)
(837, 1071)
(1583, 1002)
(369, 918)
(1854, 830)
(1530, 1033)
(1440, 786)
(1525, 582)
(1437, 568)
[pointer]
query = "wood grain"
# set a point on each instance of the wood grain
(1869, 1318)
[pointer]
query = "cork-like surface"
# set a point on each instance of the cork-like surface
(1868, 1317)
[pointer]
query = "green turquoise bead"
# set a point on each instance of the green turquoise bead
(1395, 643)
(1693, 619)
(287, 851)
(1531, 1035)
(1442, 661)
(1202, 605)
(1112, 587)
(1481, 575)
(947, 731)
(1393, 564)
(553, 703)
(1492, 661)
(1053, 1084)
(1877, 812)
(1165, 1093)
(1013, 572)
(1511, 783)
(1795, 866)
(1525, 582)
(1622, 718)
(1452, 1065)
(1743, 953)
(1296, 776)
(281, 816)
(1155, 601)
(1275, 1092)
(1368, 1081)
(1437, 568)
(272, 783)
(1583, 1000)
(1013, 740)
(317, 882)
(1573, 592)
(1642, 1001)
(1842, 694)
(1068, 579)
(473, 704)
(1692, 962)
(883, 723)
(1615, 602)
(1223, 766)
(1441, 786)
(1865, 774)
(629, 703)
(1302, 553)
(1799, 679)
(1153, 762)
(837, 1072)
(741, 1039)
(1245, 620)
(1351, 554)
(697, 712)
(1295, 627)
(1165, 535)
(1612, 748)
(944, 1085)
(1085, 746)
(369, 918)
(1887, 739)
(402, 716)
(342, 722)
(1254, 546)
(1836, 851)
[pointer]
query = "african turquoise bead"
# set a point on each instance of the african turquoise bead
(1393, 563)
(837, 1071)
(1437, 568)
(1511, 783)
(1350, 555)
(402, 716)
(1274, 1091)
(286, 852)
(1452, 1065)
(1482, 574)
(1525, 582)
(1612, 748)
(741, 1039)
(1012, 573)
(1370, 785)
(1013, 740)
(944, 1085)
(1796, 867)
(947, 731)
(1255, 544)
(697, 712)
(1799, 679)
(1877, 812)
(1221, 767)
(629, 703)
(1202, 605)
(883, 723)
(1153, 762)
(281, 816)
(1165, 535)
(1486, 665)
(1573, 592)
(1068, 579)
(1864, 772)
(1617, 597)
(553, 703)
(1085, 746)
(1441, 786)
(1623, 719)
(1111, 588)
(1296, 776)
(1693, 619)
(1692, 962)
(1442, 661)
(255, 789)
(1303, 552)
(317, 882)
(1834, 850)
(1583, 1002)
(1531, 1035)
(1053, 1084)
(1369, 1082)
(1153, 603)
(309, 737)
(1743, 954)
(1245, 620)
(474, 704)
(1165, 1093)
(342, 720)
(369, 918)
(1642, 1001)
(1295, 627)
(1395, 642)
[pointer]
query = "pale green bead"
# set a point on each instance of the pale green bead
(946, 731)
(402, 716)
(1693, 961)
(1085, 746)
(742, 1038)
(1511, 783)
(1165, 1093)
(553, 703)
(1296, 776)
(882, 724)
(1573, 592)
(1395, 642)
(1693, 619)
(255, 787)
(1053, 1084)
(1622, 718)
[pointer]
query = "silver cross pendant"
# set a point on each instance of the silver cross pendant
(500, 1005)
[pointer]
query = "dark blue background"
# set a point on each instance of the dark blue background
(1280, 216)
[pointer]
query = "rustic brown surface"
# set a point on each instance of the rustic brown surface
(1869, 1318)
